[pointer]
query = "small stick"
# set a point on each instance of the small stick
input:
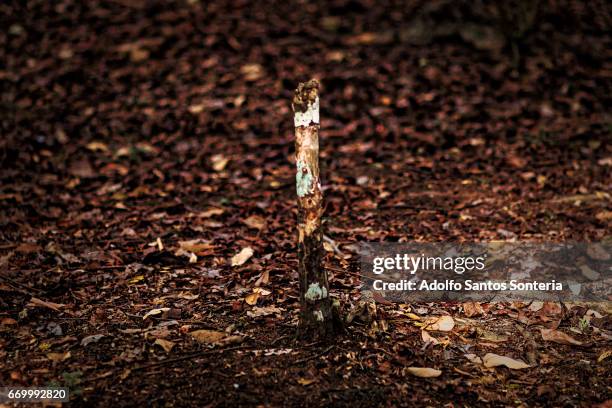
(312, 357)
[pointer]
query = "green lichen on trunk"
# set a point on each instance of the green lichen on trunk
(315, 292)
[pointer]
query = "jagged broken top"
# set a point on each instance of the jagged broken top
(305, 95)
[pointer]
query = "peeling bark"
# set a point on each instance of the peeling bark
(317, 317)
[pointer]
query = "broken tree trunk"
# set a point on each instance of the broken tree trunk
(317, 317)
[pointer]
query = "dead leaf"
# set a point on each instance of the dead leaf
(428, 339)
(197, 246)
(263, 279)
(165, 344)
(252, 298)
(91, 339)
(241, 257)
(264, 311)
(252, 72)
(384, 367)
(210, 212)
(58, 356)
(473, 358)
(158, 333)
(378, 298)
(97, 146)
(231, 340)
(306, 381)
(27, 248)
(187, 296)
(598, 252)
(7, 321)
(589, 273)
(488, 335)
(82, 169)
(255, 222)
(592, 313)
(536, 305)
(550, 309)
(196, 108)
(208, 336)
(495, 360)
(155, 312)
(443, 323)
(472, 309)
(557, 336)
(219, 162)
(604, 355)
(424, 372)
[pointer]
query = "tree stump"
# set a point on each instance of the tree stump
(317, 315)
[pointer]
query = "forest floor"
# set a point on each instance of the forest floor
(145, 144)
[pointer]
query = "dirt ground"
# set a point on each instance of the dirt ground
(145, 144)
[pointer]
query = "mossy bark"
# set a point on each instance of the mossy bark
(317, 317)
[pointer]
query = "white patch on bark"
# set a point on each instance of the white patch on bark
(310, 116)
(315, 292)
(318, 315)
(303, 179)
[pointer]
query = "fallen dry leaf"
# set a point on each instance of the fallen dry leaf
(91, 339)
(197, 246)
(263, 279)
(155, 312)
(264, 311)
(97, 146)
(488, 335)
(473, 358)
(495, 360)
(598, 252)
(471, 309)
(557, 336)
(58, 356)
(208, 336)
(255, 222)
(231, 340)
(306, 381)
(165, 344)
(427, 338)
(219, 162)
(604, 215)
(210, 212)
(424, 372)
(604, 356)
(592, 313)
(7, 321)
(442, 323)
(241, 257)
(536, 305)
(252, 298)
(252, 72)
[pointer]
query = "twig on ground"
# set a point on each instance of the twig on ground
(303, 360)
